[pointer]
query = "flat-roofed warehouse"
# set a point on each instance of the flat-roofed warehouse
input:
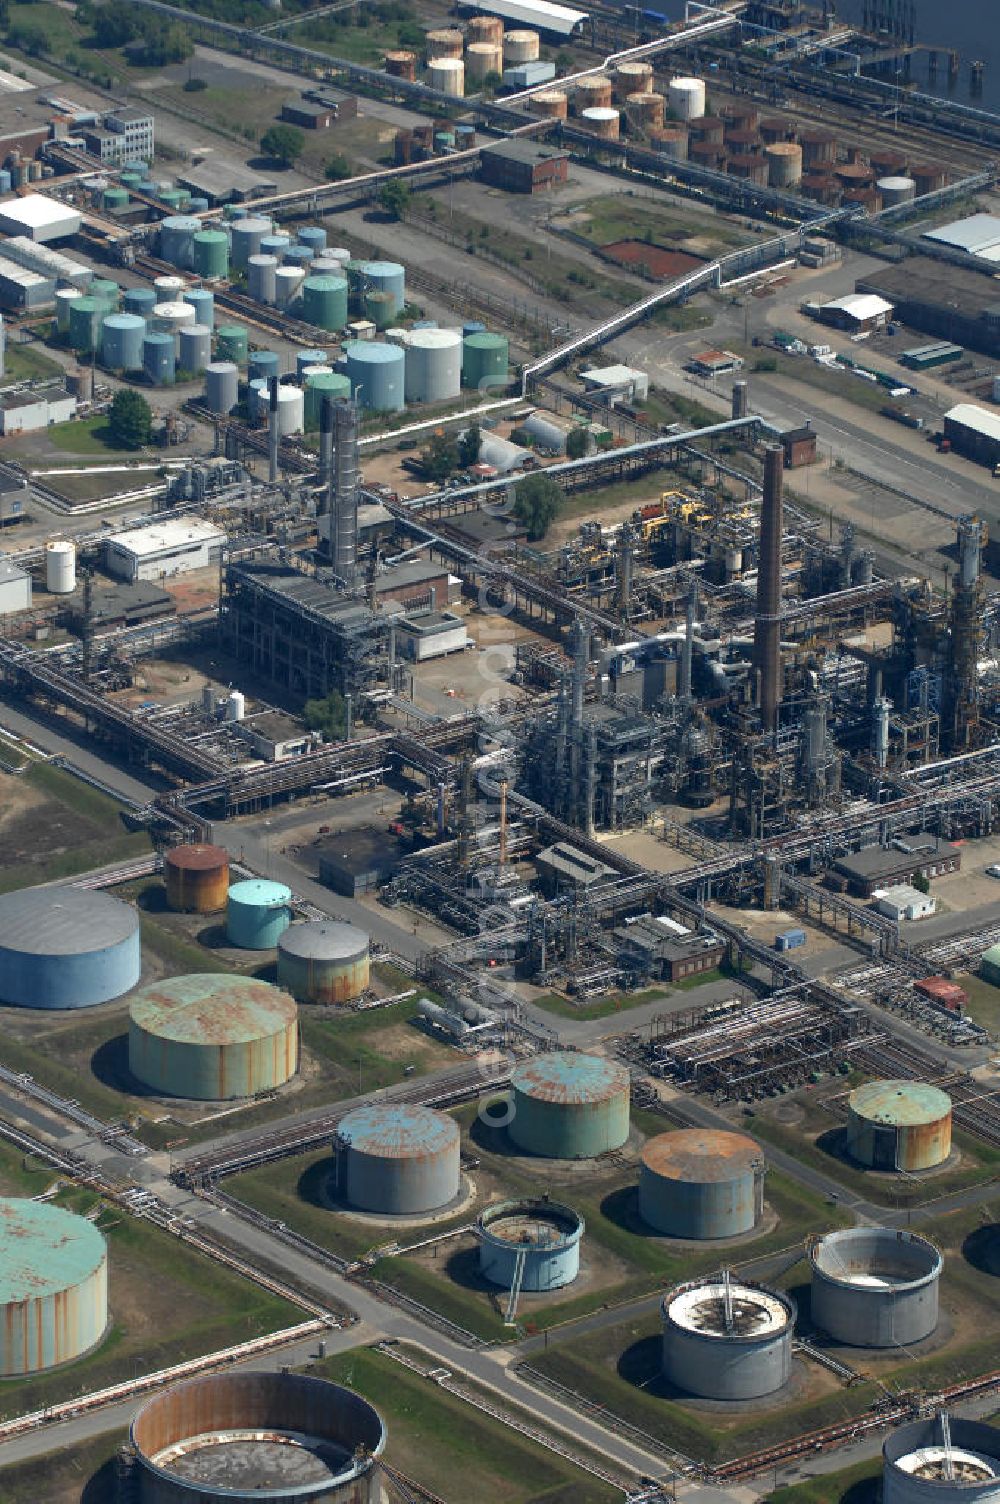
(165, 548)
(38, 217)
(523, 166)
(973, 431)
(881, 866)
(953, 303)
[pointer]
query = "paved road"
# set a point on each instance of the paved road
(138, 786)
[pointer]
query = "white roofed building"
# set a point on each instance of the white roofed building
(979, 235)
(560, 20)
(973, 431)
(163, 548)
(858, 312)
(38, 217)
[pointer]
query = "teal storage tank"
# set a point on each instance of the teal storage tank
(121, 341)
(377, 373)
(172, 198)
(386, 276)
(333, 384)
(314, 236)
(114, 198)
(203, 303)
(567, 1105)
(257, 913)
(324, 302)
(139, 300)
(53, 1287)
(211, 254)
(263, 364)
(176, 235)
(485, 358)
(85, 315)
(159, 358)
(298, 255)
(231, 343)
(380, 308)
(106, 292)
(306, 358)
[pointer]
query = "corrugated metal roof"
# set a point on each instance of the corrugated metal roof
(903, 1104)
(701, 1155)
(324, 940)
(973, 234)
(44, 1249)
(213, 1008)
(975, 418)
(397, 1130)
(63, 921)
(570, 1078)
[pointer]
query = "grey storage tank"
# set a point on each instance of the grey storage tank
(727, 1339)
(875, 1286)
(323, 961)
(397, 1159)
(433, 365)
(65, 947)
(541, 1236)
(261, 278)
(701, 1183)
(194, 346)
(567, 1105)
(246, 236)
(942, 1460)
(222, 386)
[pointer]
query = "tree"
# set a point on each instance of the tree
(31, 37)
(337, 168)
(921, 883)
(468, 446)
(394, 198)
(116, 24)
(284, 143)
(328, 715)
(440, 457)
(537, 500)
(130, 420)
(577, 443)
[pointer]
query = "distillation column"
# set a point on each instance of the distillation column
(767, 621)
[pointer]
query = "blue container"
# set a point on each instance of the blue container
(148, 187)
(159, 357)
(305, 358)
(275, 245)
(314, 236)
(140, 301)
(543, 1236)
(257, 913)
(262, 365)
(203, 303)
(298, 255)
(138, 166)
(790, 940)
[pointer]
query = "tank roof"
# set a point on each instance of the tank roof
(61, 921)
(44, 1249)
(258, 890)
(533, 1222)
(323, 940)
(701, 1155)
(397, 1130)
(756, 1312)
(198, 857)
(567, 1077)
(213, 1008)
(902, 1104)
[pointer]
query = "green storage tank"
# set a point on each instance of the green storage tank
(131, 179)
(107, 293)
(172, 198)
(324, 384)
(380, 307)
(211, 254)
(324, 302)
(231, 344)
(485, 358)
(989, 966)
(86, 316)
(115, 198)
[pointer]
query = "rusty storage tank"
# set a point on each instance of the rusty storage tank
(482, 59)
(397, 1159)
(875, 1286)
(487, 29)
(776, 128)
(401, 64)
(743, 142)
(854, 175)
(323, 961)
(868, 199)
(708, 128)
(551, 104)
(66, 948)
(784, 164)
(929, 177)
(242, 1437)
(539, 1235)
(707, 154)
(899, 1125)
(566, 1105)
(444, 41)
(742, 116)
(752, 169)
(197, 878)
(924, 1464)
(887, 163)
(402, 148)
(605, 123)
(671, 141)
(818, 186)
(819, 149)
(53, 1287)
(646, 109)
(521, 46)
(592, 94)
(633, 76)
(701, 1183)
(213, 1037)
(727, 1339)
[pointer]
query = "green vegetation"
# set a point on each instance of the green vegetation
(72, 829)
(284, 144)
(615, 1002)
(26, 362)
(350, 1045)
(577, 443)
(58, 1477)
(680, 318)
(328, 715)
(440, 458)
(84, 436)
(984, 1001)
(130, 420)
(629, 216)
(337, 167)
(364, 33)
(537, 501)
(858, 1484)
(394, 198)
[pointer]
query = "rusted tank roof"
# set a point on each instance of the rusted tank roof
(900, 1104)
(569, 1078)
(44, 1249)
(397, 1130)
(198, 858)
(213, 1008)
(701, 1155)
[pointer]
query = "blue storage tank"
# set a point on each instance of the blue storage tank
(425, 324)
(139, 300)
(386, 276)
(298, 255)
(198, 205)
(275, 245)
(66, 948)
(257, 913)
(5, 181)
(306, 358)
(176, 239)
(377, 374)
(473, 327)
(262, 365)
(159, 357)
(203, 303)
(314, 236)
(121, 341)
(542, 1236)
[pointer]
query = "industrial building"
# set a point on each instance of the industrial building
(323, 961)
(989, 966)
(28, 411)
(960, 306)
(197, 878)
(358, 864)
(974, 432)
(163, 549)
(257, 913)
(397, 1160)
(530, 1245)
(289, 1436)
(274, 736)
(523, 166)
(701, 1183)
(875, 1286)
(857, 313)
(924, 855)
(15, 587)
(24, 289)
(53, 1287)
(667, 951)
(320, 109)
(431, 636)
(725, 1339)
(66, 947)
(213, 1037)
(979, 234)
(899, 1125)
(564, 868)
(128, 135)
(38, 218)
(941, 1459)
(902, 901)
(565, 1105)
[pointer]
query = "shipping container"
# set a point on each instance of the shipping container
(790, 940)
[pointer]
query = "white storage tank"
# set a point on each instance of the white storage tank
(521, 47)
(222, 386)
(287, 281)
(291, 410)
(603, 120)
(433, 365)
(171, 318)
(60, 567)
(896, 190)
(245, 238)
(447, 76)
(169, 288)
(482, 59)
(260, 278)
(65, 297)
(686, 97)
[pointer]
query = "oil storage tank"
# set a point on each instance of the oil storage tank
(159, 357)
(875, 1286)
(565, 1105)
(261, 272)
(176, 238)
(386, 276)
(66, 947)
(686, 97)
(726, 1339)
(194, 349)
(121, 341)
(60, 567)
(376, 373)
(53, 1286)
(323, 961)
(246, 236)
(211, 254)
(701, 1183)
(222, 386)
(213, 1037)
(257, 913)
(485, 358)
(397, 1159)
(540, 1236)
(433, 365)
(923, 1463)
(324, 302)
(247, 1436)
(899, 1125)
(197, 878)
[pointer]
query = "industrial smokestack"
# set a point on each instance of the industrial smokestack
(344, 523)
(687, 648)
(581, 657)
(272, 433)
(325, 453)
(741, 399)
(767, 622)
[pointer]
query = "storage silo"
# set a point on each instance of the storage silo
(538, 1240)
(291, 411)
(898, 1125)
(485, 358)
(433, 365)
(197, 878)
(447, 76)
(727, 1339)
(213, 1037)
(60, 567)
(176, 235)
(313, 236)
(231, 343)
(65, 947)
(222, 386)
(86, 315)
(314, 1440)
(159, 357)
(386, 276)
(566, 1105)
(701, 1183)
(53, 1287)
(121, 341)
(324, 302)
(550, 104)
(65, 297)
(260, 278)
(106, 292)
(784, 164)
(306, 358)
(401, 63)
(168, 288)
(376, 373)
(171, 318)
(482, 59)
(686, 97)
(275, 245)
(287, 285)
(603, 120)
(875, 1286)
(819, 150)
(396, 1159)
(444, 41)
(114, 198)
(333, 384)
(138, 300)
(299, 255)
(672, 141)
(485, 29)
(632, 76)
(896, 190)
(245, 238)
(194, 348)
(257, 913)
(592, 93)
(646, 109)
(521, 46)
(323, 961)
(925, 1463)
(379, 309)
(203, 303)
(263, 364)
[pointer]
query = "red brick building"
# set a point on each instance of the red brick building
(523, 167)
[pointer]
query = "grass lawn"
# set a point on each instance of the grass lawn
(86, 1471)
(858, 1484)
(88, 436)
(353, 43)
(804, 371)
(680, 317)
(69, 827)
(26, 362)
(626, 216)
(984, 1001)
(616, 1002)
(452, 1449)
